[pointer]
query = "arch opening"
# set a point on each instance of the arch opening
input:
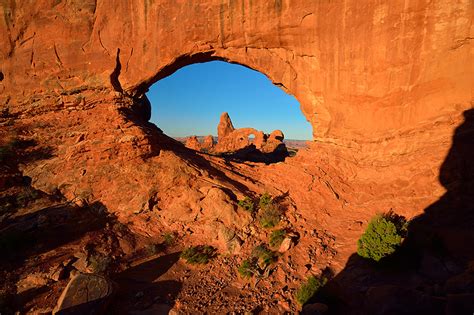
(189, 101)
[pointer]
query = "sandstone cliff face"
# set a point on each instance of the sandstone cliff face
(383, 85)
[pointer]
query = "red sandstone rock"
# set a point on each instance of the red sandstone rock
(207, 143)
(384, 86)
(193, 143)
(225, 126)
(369, 84)
(246, 141)
(276, 135)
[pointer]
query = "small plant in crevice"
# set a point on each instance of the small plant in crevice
(277, 237)
(383, 236)
(264, 256)
(308, 289)
(200, 254)
(259, 263)
(265, 200)
(169, 239)
(247, 204)
(269, 216)
(247, 268)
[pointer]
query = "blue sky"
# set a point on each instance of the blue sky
(190, 102)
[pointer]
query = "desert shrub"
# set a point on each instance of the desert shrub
(308, 289)
(169, 239)
(260, 259)
(264, 256)
(246, 269)
(198, 254)
(247, 204)
(277, 237)
(383, 236)
(265, 200)
(270, 216)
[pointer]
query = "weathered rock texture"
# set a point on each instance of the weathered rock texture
(232, 140)
(384, 84)
(85, 293)
(225, 126)
(242, 143)
(193, 143)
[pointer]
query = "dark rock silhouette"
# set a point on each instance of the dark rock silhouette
(433, 271)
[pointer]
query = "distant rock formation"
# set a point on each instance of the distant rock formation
(225, 126)
(193, 143)
(207, 143)
(243, 143)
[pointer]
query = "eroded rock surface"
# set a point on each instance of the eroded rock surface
(242, 143)
(382, 92)
(384, 85)
(248, 142)
(85, 294)
(193, 143)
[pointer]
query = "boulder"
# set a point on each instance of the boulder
(85, 294)
(286, 245)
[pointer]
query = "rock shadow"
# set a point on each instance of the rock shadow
(140, 290)
(433, 271)
(35, 233)
(252, 154)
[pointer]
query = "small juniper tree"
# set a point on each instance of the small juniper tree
(383, 236)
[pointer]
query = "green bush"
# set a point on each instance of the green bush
(247, 204)
(169, 239)
(265, 200)
(383, 236)
(260, 259)
(264, 256)
(198, 254)
(270, 216)
(277, 237)
(308, 289)
(246, 269)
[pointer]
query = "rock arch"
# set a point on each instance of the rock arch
(377, 76)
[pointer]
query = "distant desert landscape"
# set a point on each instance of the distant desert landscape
(102, 211)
